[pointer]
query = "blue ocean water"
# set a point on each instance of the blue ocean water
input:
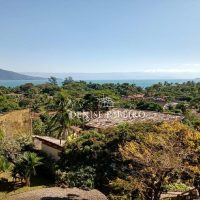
(141, 83)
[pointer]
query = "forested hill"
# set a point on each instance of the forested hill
(9, 75)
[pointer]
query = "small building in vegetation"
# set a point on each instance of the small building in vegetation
(51, 146)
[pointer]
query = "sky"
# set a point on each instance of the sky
(100, 35)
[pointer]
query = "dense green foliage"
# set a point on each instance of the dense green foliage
(41, 97)
(130, 160)
(8, 103)
(24, 168)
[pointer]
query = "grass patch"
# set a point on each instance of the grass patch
(177, 187)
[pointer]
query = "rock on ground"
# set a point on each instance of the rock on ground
(56, 193)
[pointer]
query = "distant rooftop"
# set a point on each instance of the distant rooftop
(118, 116)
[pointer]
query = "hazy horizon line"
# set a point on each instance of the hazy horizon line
(171, 72)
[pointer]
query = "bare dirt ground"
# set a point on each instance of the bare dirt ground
(56, 193)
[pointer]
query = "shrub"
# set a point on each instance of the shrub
(38, 127)
(142, 105)
(48, 168)
(82, 178)
(177, 187)
(4, 164)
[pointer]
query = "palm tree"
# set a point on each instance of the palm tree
(63, 119)
(25, 167)
(53, 81)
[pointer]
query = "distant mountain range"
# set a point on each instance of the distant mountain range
(9, 75)
(120, 75)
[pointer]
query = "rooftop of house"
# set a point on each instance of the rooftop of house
(115, 117)
(54, 141)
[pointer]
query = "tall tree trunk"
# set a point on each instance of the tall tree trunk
(27, 181)
(65, 134)
(156, 195)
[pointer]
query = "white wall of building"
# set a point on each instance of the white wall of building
(54, 153)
